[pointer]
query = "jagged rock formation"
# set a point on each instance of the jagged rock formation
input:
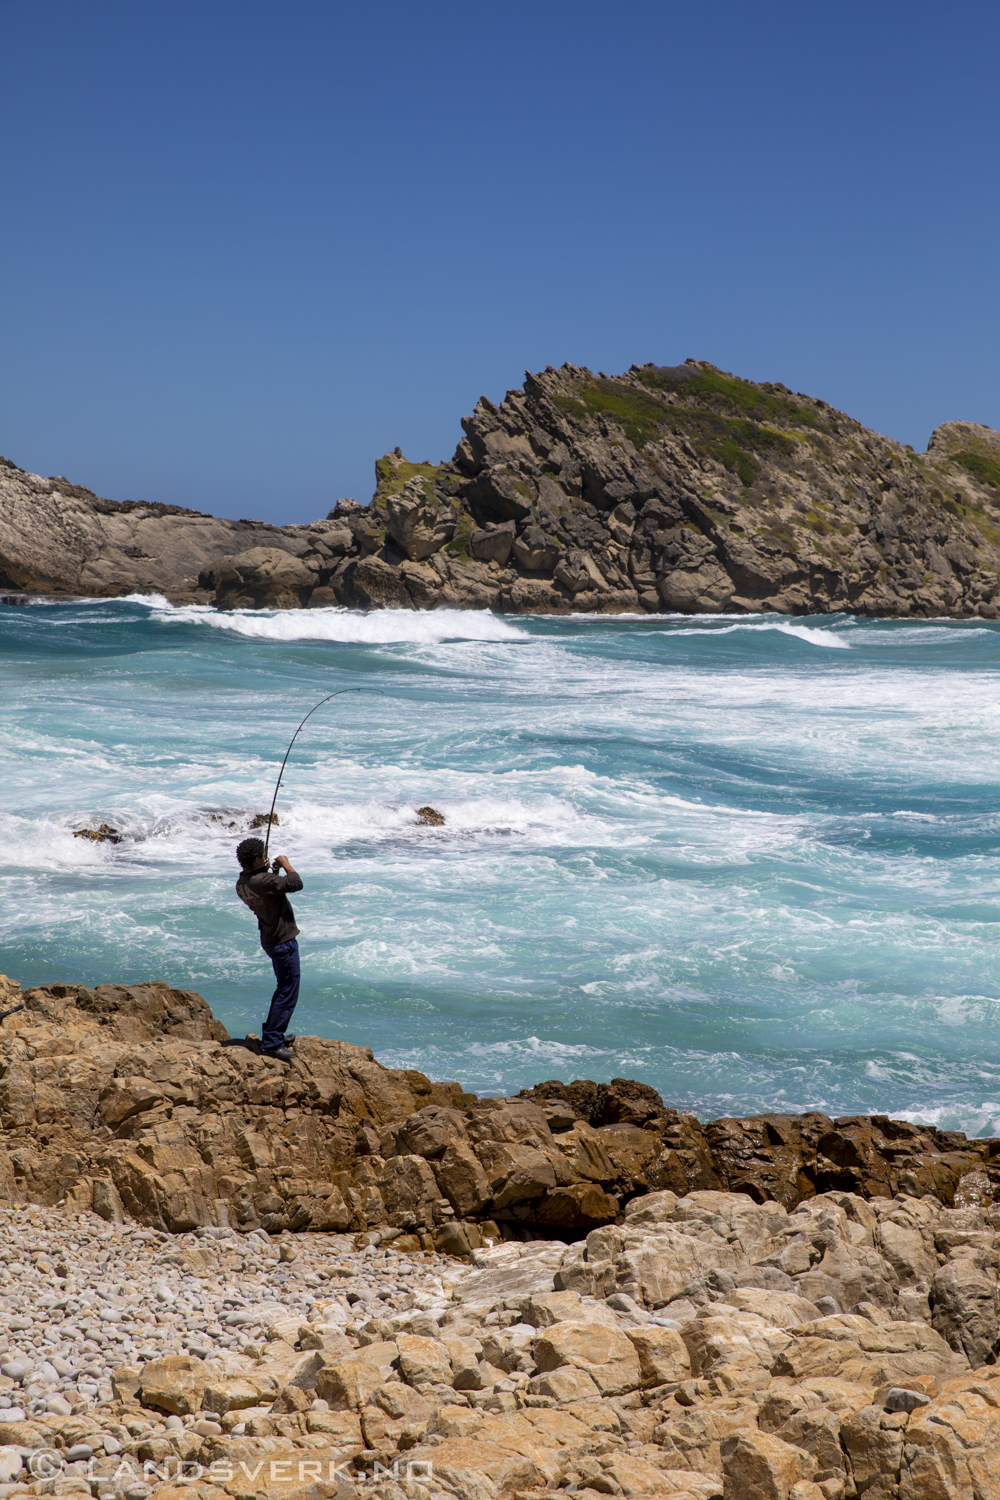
(675, 488)
(680, 489)
(122, 1099)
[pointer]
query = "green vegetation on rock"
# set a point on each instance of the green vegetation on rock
(730, 440)
(986, 470)
(392, 473)
(458, 547)
(641, 416)
(729, 390)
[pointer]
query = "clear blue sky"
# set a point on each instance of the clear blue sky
(247, 247)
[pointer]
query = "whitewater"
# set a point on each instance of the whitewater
(751, 861)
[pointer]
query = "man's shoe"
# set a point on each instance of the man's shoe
(281, 1053)
(290, 1041)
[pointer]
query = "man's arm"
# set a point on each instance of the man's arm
(290, 879)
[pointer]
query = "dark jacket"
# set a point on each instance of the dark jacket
(266, 895)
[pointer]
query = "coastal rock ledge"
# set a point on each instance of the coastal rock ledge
(665, 489)
(577, 1291)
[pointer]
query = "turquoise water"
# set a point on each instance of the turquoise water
(752, 862)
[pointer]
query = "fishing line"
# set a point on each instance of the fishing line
(270, 820)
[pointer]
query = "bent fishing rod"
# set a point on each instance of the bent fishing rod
(337, 694)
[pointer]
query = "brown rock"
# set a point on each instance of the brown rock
(951, 1449)
(262, 577)
(144, 1116)
(479, 1470)
(461, 1180)
(348, 1384)
(175, 1384)
(423, 1362)
(605, 1354)
(757, 1466)
(873, 1443)
(964, 1303)
(395, 1417)
(566, 1385)
(663, 1354)
(233, 1393)
(580, 1206)
(409, 1190)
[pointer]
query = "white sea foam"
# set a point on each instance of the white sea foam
(381, 627)
(811, 634)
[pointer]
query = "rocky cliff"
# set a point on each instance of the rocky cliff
(668, 488)
(60, 538)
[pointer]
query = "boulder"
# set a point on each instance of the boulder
(577, 571)
(348, 1384)
(478, 1470)
(394, 1416)
(663, 1354)
(964, 1302)
(741, 1344)
(175, 1385)
(376, 584)
(579, 1206)
(423, 1362)
(757, 1466)
(461, 1180)
(409, 1190)
(494, 543)
(417, 522)
(951, 1447)
(605, 1354)
(262, 578)
(873, 1442)
(233, 1393)
(536, 552)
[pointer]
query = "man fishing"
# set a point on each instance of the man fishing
(266, 893)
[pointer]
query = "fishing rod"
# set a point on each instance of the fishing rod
(270, 818)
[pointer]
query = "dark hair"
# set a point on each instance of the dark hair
(250, 852)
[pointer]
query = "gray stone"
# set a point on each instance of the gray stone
(493, 544)
(964, 1309)
(900, 1399)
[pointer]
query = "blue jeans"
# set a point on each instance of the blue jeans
(285, 960)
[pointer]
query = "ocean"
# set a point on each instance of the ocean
(751, 861)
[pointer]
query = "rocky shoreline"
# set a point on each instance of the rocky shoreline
(129, 1101)
(664, 489)
(207, 1291)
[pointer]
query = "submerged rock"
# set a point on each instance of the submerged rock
(104, 834)
(430, 815)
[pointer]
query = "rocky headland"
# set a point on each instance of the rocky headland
(668, 488)
(228, 1277)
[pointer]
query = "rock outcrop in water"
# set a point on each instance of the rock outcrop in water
(827, 1331)
(664, 489)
